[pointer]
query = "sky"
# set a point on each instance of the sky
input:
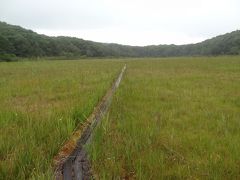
(129, 22)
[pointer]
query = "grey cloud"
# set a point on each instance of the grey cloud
(191, 19)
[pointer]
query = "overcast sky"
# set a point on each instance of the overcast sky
(132, 22)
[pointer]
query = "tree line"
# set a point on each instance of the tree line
(16, 41)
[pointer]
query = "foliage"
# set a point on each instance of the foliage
(8, 57)
(26, 43)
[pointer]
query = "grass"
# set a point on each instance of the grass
(40, 105)
(172, 118)
(175, 118)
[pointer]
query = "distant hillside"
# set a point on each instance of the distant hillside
(19, 42)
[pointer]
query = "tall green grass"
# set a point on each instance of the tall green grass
(40, 105)
(175, 118)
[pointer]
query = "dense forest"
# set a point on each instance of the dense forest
(16, 41)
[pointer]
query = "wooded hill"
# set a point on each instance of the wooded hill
(16, 41)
